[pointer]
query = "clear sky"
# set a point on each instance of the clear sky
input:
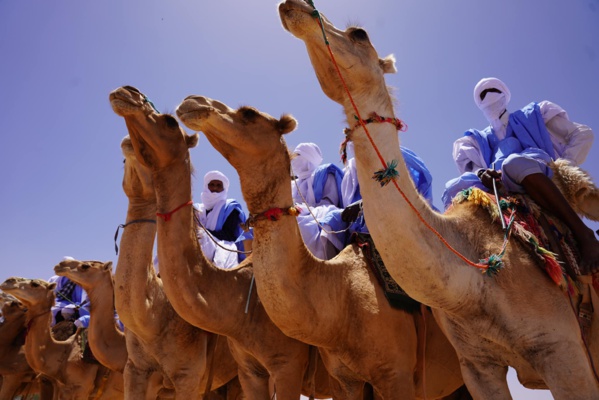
(60, 159)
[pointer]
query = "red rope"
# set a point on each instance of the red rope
(167, 216)
(384, 164)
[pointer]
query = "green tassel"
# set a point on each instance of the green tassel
(386, 175)
(494, 263)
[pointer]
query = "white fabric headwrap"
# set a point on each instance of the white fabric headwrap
(308, 157)
(212, 200)
(494, 103)
(349, 184)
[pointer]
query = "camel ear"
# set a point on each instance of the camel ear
(388, 64)
(286, 124)
(107, 266)
(192, 141)
(52, 286)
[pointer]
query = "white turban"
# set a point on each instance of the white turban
(308, 157)
(209, 199)
(494, 104)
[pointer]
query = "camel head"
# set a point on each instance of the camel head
(87, 274)
(250, 140)
(11, 308)
(157, 138)
(30, 292)
(137, 179)
(359, 63)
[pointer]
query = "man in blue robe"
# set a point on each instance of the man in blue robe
(515, 150)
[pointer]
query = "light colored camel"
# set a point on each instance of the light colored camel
(204, 295)
(157, 338)
(17, 375)
(517, 318)
(361, 337)
(60, 361)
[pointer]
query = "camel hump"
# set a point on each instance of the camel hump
(577, 187)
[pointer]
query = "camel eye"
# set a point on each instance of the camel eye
(171, 122)
(85, 266)
(34, 284)
(359, 34)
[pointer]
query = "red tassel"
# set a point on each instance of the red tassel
(554, 269)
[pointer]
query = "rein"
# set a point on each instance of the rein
(389, 174)
(310, 209)
(167, 216)
(116, 235)
(272, 214)
(215, 240)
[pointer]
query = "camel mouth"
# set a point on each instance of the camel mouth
(126, 100)
(191, 113)
(290, 9)
(59, 269)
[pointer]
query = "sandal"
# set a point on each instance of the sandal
(585, 319)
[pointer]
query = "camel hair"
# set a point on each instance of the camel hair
(208, 297)
(157, 338)
(60, 361)
(361, 337)
(517, 318)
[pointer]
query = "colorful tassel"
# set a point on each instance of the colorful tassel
(494, 263)
(384, 176)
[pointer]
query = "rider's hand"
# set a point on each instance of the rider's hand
(351, 212)
(487, 176)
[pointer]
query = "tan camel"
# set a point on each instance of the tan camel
(60, 361)
(206, 296)
(105, 339)
(17, 375)
(154, 332)
(518, 318)
(361, 337)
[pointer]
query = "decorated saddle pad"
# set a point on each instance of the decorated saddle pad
(396, 296)
(549, 241)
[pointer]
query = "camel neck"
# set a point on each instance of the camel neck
(135, 274)
(107, 342)
(10, 330)
(40, 346)
(414, 238)
(202, 298)
(283, 265)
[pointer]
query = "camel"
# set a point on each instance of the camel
(204, 295)
(17, 375)
(60, 361)
(105, 339)
(157, 338)
(517, 318)
(361, 337)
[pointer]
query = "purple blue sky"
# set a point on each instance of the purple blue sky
(60, 160)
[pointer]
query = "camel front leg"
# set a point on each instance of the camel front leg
(136, 381)
(486, 381)
(565, 368)
(254, 384)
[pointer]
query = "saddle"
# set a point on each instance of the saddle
(396, 296)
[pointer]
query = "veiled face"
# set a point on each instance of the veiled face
(215, 186)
